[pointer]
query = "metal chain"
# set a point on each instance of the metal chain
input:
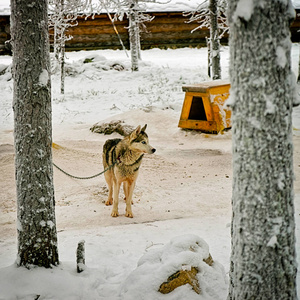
(89, 177)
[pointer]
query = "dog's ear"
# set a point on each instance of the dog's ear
(144, 128)
(138, 130)
(135, 132)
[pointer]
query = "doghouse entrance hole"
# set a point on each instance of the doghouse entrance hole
(197, 111)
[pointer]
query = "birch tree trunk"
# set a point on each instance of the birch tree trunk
(298, 79)
(62, 65)
(138, 40)
(133, 37)
(37, 237)
(263, 264)
(214, 40)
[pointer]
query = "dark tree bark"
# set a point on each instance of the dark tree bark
(36, 225)
(80, 257)
(263, 258)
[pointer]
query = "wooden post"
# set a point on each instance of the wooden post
(80, 254)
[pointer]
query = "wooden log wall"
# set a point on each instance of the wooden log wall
(167, 30)
(4, 33)
(171, 30)
(97, 33)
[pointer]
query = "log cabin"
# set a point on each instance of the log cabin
(168, 29)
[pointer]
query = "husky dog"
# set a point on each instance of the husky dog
(126, 157)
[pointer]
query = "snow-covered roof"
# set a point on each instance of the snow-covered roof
(173, 5)
(161, 5)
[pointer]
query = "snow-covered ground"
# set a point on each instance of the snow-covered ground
(183, 190)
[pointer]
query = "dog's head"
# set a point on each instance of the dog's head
(139, 140)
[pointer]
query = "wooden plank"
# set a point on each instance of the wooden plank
(171, 37)
(208, 108)
(205, 126)
(154, 28)
(100, 22)
(204, 86)
(186, 107)
(91, 30)
(94, 38)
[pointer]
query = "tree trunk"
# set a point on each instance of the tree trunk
(208, 57)
(298, 79)
(80, 257)
(62, 65)
(263, 264)
(37, 237)
(133, 34)
(138, 41)
(214, 40)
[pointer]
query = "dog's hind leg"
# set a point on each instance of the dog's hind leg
(116, 188)
(109, 181)
(130, 186)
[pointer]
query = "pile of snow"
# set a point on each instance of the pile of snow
(90, 64)
(181, 253)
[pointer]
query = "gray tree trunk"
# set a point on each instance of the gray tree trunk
(62, 67)
(134, 37)
(214, 40)
(138, 40)
(62, 52)
(298, 79)
(263, 264)
(37, 237)
(80, 257)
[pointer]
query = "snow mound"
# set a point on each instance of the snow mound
(96, 62)
(61, 282)
(181, 253)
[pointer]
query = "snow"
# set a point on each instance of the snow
(44, 77)
(181, 253)
(281, 57)
(244, 10)
(272, 242)
(296, 3)
(183, 193)
(162, 5)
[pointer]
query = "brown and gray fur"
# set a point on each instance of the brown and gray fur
(128, 153)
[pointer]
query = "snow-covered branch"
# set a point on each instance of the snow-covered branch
(201, 16)
(63, 15)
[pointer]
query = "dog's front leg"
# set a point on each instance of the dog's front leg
(130, 188)
(116, 190)
(125, 186)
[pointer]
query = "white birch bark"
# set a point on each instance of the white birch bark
(62, 67)
(263, 264)
(298, 79)
(36, 226)
(214, 40)
(133, 36)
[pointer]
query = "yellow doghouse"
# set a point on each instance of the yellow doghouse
(203, 107)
